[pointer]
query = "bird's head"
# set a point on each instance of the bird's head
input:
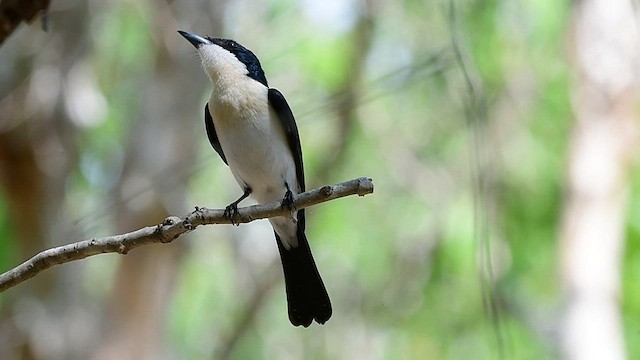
(225, 57)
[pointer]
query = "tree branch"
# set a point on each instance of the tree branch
(172, 228)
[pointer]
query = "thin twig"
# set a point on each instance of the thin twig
(173, 227)
(477, 122)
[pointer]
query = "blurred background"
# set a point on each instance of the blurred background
(502, 137)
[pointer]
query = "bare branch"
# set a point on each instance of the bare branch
(173, 227)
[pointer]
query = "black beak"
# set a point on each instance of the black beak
(195, 40)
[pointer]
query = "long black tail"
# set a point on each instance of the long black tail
(307, 297)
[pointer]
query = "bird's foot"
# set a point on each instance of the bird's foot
(287, 202)
(231, 213)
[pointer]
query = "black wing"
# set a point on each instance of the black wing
(211, 133)
(282, 109)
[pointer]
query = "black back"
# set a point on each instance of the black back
(281, 107)
(212, 135)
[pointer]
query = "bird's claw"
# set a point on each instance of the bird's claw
(231, 213)
(287, 202)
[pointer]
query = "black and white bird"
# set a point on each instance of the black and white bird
(253, 130)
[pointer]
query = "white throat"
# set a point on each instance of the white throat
(222, 67)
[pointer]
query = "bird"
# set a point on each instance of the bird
(253, 130)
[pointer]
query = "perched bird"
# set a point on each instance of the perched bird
(253, 130)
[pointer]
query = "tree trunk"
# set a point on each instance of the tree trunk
(605, 44)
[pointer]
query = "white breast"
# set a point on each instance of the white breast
(253, 142)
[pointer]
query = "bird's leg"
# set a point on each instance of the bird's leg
(287, 202)
(231, 211)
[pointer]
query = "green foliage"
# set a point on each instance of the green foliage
(631, 269)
